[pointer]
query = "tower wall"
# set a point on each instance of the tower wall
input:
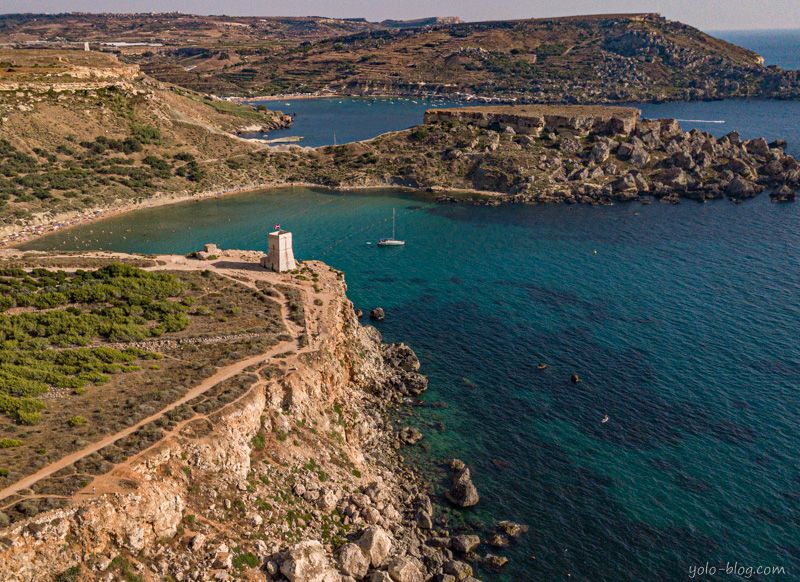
(280, 256)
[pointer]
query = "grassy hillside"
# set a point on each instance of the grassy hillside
(81, 130)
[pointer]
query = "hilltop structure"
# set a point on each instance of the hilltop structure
(280, 256)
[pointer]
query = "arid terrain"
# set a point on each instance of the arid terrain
(580, 59)
(252, 435)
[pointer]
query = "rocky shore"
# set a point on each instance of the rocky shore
(301, 479)
(559, 154)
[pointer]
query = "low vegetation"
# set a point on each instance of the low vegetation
(84, 353)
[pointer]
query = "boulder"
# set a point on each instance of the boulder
(197, 542)
(498, 541)
(682, 160)
(376, 544)
(464, 543)
(512, 528)
(405, 570)
(575, 378)
(783, 194)
(307, 562)
(410, 435)
(377, 314)
(739, 166)
(401, 356)
(353, 561)
(740, 188)
(600, 152)
(462, 492)
(570, 145)
(379, 576)
(674, 178)
(626, 183)
(625, 150)
(639, 156)
(757, 147)
(494, 561)
(461, 570)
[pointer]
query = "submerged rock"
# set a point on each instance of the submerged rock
(410, 435)
(512, 528)
(495, 562)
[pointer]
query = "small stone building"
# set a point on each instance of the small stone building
(280, 256)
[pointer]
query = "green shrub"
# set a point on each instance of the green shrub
(76, 421)
(7, 443)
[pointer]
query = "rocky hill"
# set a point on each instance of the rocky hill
(81, 130)
(580, 59)
(547, 154)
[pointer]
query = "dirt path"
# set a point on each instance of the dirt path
(224, 373)
(220, 376)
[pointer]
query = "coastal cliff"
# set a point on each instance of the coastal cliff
(298, 478)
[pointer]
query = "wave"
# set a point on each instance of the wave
(701, 120)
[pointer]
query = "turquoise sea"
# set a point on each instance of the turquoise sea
(683, 322)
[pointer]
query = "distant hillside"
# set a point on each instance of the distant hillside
(580, 59)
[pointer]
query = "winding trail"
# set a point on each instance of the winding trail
(221, 375)
(224, 373)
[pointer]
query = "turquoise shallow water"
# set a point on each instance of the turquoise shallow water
(682, 320)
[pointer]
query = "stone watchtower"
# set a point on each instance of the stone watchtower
(280, 256)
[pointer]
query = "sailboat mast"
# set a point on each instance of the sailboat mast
(393, 219)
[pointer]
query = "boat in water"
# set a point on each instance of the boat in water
(392, 242)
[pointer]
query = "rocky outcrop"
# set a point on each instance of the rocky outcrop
(599, 155)
(462, 492)
(283, 491)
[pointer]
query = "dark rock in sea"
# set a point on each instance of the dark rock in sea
(410, 435)
(400, 356)
(500, 464)
(464, 544)
(575, 378)
(783, 194)
(739, 187)
(541, 366)
(359, 313)
(498, 541)
(377, 314)
(511, 528)
(462, 492)
(495, 562)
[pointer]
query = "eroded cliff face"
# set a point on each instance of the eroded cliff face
(276, 482)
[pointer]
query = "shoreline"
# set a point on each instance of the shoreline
(374, 498)
(11, 236)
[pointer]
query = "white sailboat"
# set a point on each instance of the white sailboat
(391, 242)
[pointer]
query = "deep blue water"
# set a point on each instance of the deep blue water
(778, 47)
(682, 320)
(344, 119)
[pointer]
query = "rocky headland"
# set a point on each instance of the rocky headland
(301, 477)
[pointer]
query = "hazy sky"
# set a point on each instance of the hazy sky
(705, 14)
